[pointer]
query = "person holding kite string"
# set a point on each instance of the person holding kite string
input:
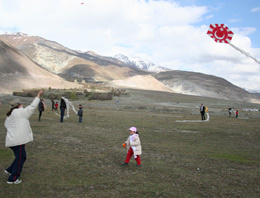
(63, 107)
(202, 112)
(19, 133)
(41, 108)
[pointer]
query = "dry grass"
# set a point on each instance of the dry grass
(219, 158)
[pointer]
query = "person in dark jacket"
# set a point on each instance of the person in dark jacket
(52, 105)
(202, 112)
(63, 107)
(41, 107)
(80, 113)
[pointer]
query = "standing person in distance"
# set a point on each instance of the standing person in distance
(19, 133)
(202, 112)
(133, 145)
(52, 105)
(56, 106)
(236, 113)
(41, 108)
(63, 107)
(80, 113)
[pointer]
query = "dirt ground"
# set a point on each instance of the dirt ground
(219, 158)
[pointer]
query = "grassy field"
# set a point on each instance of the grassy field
(219, 158)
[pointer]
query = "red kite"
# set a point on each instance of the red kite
(221, 34)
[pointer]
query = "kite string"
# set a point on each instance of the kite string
(245, 53)
(68, 105)
(207, 114)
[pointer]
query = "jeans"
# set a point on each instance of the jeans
(80, 119)
(62, 112)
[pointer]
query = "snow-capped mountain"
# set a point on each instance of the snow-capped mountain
(255, 92)
(137, 62)
(252, 91)
(15, 34)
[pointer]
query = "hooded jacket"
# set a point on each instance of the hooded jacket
(18, 127)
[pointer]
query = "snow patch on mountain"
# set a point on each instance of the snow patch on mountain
(252, 91)
(14, 34)
(137, 62)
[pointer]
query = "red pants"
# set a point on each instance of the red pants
(130, 154)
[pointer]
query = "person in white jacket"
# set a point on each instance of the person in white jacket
(19, 133)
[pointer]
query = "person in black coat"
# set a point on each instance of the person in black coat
(40, 108)
(52, 105)
(202, 112)
(63, 107)
(80, 113)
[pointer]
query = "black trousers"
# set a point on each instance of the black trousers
(202, 116)
(17, 166)
(62, 112)
(40, 114)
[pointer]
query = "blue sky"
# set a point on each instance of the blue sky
(170, 33)
(241, 14)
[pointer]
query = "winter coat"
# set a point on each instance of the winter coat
(63, 104)
(41, 106)
(202, 109)
(18, 127)
(80, 112)
(136, 143)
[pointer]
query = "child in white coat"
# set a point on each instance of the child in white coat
(133, 145)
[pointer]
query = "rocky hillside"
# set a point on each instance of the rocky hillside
(18, 72)
(70, 64)
(144, 82)
(202, 85)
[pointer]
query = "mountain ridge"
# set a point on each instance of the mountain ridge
(18, 72)
(89, 66)
(137, 62)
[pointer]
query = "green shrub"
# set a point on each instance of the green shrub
(100, 96)
(26, 93)
(73, 95)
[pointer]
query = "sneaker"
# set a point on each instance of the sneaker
(124, 164)
(137, 165)
(5, 171)
(15, 182)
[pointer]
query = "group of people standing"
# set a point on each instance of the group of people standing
(19, 133)
(54, 106)
(231, 111)
(63, 107)
(203, 110)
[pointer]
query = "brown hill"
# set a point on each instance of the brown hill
(145, 82)
(199, 84)
(18, 72)
(68, 63)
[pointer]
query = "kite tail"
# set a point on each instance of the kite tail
(69, 104)
(245, 53)
(194, 120)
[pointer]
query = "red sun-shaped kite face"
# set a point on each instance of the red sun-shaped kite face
(220, 33)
